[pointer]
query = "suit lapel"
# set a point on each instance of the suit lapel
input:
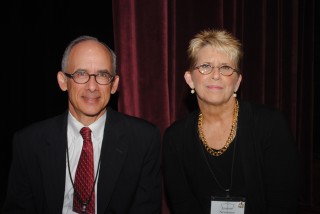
(53, 160)
(113, 154)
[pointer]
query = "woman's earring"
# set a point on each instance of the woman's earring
(192, 91)
(234, 94)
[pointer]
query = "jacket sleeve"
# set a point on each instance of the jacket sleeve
(179, 196)
(280, 164)
(148, 195)
(19, 198)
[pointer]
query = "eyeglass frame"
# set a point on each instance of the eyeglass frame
(212, 67)
(89, 77)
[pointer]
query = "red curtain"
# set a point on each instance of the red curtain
(144, 78)
(151, 38)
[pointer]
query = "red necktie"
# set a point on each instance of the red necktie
(83, 198)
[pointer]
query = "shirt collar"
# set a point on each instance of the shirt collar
(97, 127)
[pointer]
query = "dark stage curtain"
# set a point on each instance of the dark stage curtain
(151, 38)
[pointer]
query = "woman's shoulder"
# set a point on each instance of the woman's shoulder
(261, 113)
(258, 108)
(182, 124)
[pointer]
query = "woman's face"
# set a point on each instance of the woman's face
(213, 88)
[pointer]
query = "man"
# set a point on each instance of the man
(121, 154)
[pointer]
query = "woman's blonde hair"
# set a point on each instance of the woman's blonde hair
(220, 40)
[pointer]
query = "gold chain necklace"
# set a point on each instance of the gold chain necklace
(231, 135)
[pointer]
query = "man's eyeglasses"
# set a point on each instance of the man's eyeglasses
(82, 77)
(224, 70)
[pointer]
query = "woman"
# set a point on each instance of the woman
(229, 156)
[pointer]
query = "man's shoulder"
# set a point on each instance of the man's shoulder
(50, 123)
(132, 121)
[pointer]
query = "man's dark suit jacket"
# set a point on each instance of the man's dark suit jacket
(129, 177)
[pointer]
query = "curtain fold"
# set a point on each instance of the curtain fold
(143, 47)
(151, 39)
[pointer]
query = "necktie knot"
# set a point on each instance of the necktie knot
(86, 133)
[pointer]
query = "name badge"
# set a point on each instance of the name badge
(227, 205)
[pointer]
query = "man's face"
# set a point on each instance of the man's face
(88, 101)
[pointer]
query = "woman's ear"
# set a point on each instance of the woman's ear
(62, 81)
(238, 83)
(188, 79)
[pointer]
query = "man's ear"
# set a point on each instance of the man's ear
(115, 84)
(62, 81)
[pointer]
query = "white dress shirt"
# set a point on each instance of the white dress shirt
(75, 142)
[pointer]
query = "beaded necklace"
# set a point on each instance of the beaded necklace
(231, 135)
